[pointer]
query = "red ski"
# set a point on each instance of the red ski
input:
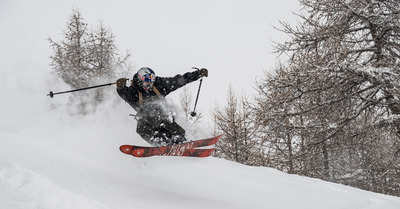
(198, 152)
(185, 149)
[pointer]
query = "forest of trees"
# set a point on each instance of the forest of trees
(331, 109)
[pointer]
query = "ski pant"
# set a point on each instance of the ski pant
(160, 131)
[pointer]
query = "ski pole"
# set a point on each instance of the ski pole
(193, 114)
(51, 94)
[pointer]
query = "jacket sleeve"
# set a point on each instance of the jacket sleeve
(169, 84)
(129, 94)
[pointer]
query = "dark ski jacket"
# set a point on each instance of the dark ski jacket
(161, 88)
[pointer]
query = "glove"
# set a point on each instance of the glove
(203, 72)
(121, 83)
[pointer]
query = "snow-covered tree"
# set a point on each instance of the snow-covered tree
(85, 58)
(333, 108)
(239, 141)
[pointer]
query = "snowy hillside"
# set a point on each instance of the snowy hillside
(69, 180)
(49, 159)
(77, 164)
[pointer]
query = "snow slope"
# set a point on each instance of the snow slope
(73, 162)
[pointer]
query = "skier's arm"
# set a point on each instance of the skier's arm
(167, 85)
(127, 93)
(121, 88)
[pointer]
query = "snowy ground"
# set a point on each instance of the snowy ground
(63, 162)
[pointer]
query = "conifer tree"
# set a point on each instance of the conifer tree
(86, 58)
(239, 142)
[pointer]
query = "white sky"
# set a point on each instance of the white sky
(231, 38)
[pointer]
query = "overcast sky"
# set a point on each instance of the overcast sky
(232, 38)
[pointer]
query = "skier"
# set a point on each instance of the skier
(155, 121)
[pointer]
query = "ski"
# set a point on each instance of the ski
(198, 152)
(176, 151)
(187, 149)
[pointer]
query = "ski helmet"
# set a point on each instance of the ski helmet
(146, 78)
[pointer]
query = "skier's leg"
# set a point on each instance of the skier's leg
(145, 131)
(161, 131)
(176, 132)
(150, 133)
